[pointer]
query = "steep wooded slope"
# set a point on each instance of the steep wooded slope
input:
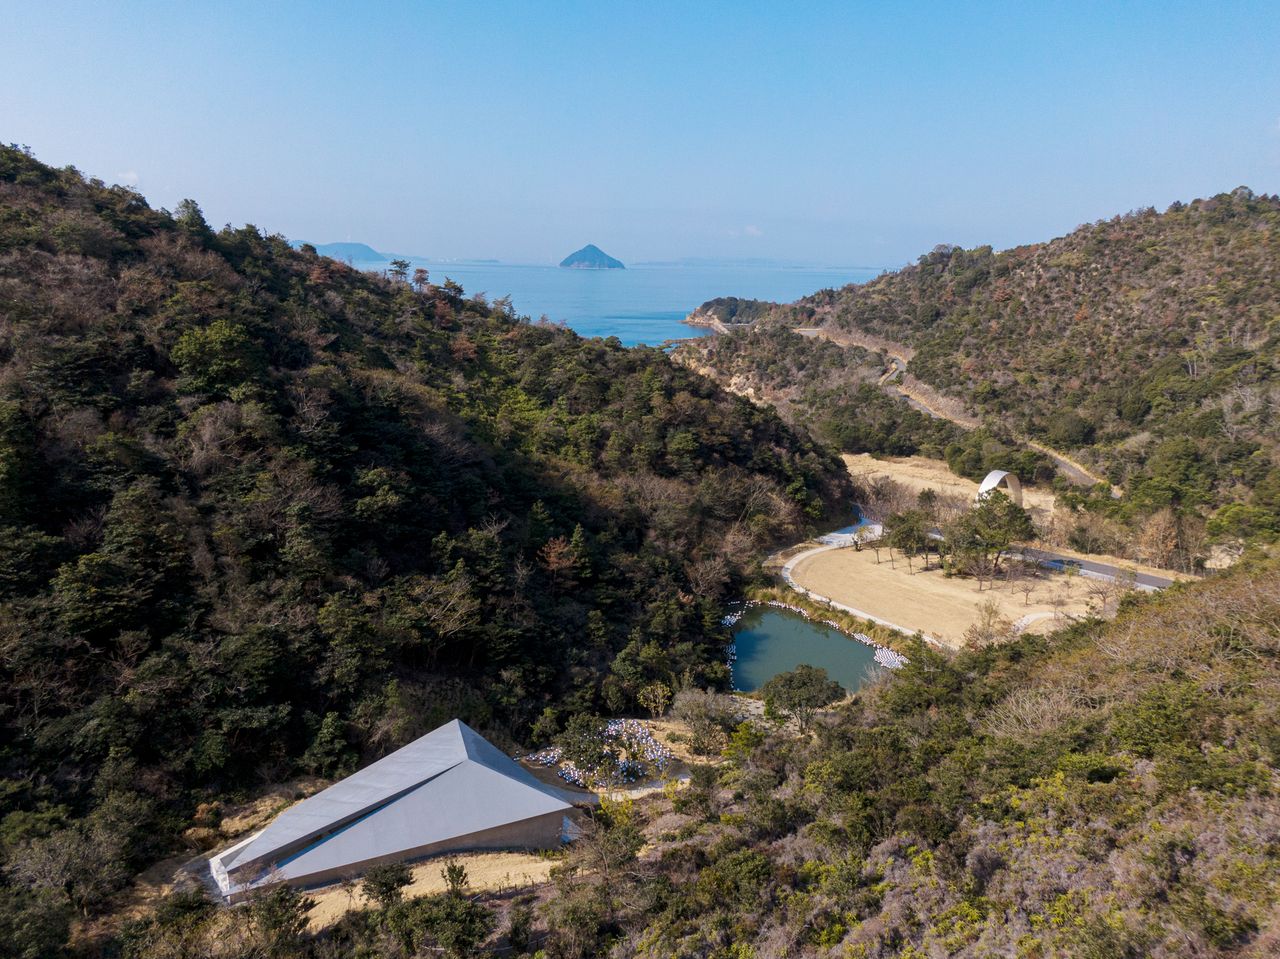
(261, 513)
(1108, 792)
(1147, 344)
(1129, 322)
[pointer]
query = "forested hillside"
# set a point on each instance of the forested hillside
(1147, 345)
(1107, 792)
(261, 514)
(834, 392)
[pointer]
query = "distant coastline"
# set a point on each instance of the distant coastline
(363, 254)
(647, 304)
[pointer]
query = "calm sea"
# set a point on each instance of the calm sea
(641, 304)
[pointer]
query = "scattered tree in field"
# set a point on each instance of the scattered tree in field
(1026, 585)
(655, 698)
(1103, 594)
(991, 626)
(927, 503)
(909, 533)
(875, 545)
(455, 879)
(980, 537)
(1059, 602)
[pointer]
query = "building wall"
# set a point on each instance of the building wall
(539, 832)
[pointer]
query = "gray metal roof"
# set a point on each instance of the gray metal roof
(449, 783)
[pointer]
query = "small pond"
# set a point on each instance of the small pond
(771, 641)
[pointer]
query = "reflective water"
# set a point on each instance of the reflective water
(771, 641)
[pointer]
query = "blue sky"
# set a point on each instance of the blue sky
(828, 133)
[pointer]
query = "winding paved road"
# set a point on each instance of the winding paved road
(1096, 570)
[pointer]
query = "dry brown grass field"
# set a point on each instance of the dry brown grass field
(940, 606)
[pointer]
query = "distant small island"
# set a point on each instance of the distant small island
(591, 257)
(358, 252)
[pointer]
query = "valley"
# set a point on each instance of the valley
(867, 548)
(269, 518)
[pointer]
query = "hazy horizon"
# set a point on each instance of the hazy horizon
(832, 134)
(690, 262)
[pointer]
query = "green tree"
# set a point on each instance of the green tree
(453, 921)
(610, 840)
(988, 529)
(583, 743)
(278, 918)
(190, 219)
(800, 693)
(217, 357)
(329, 753)
(580, 552)
(18, 462)
(34, 924)
(385, 882)
(655, 698)
(139, 578)
(909, 534)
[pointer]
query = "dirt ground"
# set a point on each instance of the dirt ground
(674, 734)
(928, 601)
(921, 473)
(486, 872)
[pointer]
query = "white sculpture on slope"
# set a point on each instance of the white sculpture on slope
(996, 478)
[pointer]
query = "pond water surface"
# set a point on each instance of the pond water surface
(771, 641)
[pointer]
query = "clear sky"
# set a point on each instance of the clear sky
(829, 133)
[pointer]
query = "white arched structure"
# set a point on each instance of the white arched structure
(997, 478)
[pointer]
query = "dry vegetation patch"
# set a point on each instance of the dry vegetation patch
(259, 811)
(919, 473)
(894, 483)
(492, 872)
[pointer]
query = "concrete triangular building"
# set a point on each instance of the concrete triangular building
(449, 791)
